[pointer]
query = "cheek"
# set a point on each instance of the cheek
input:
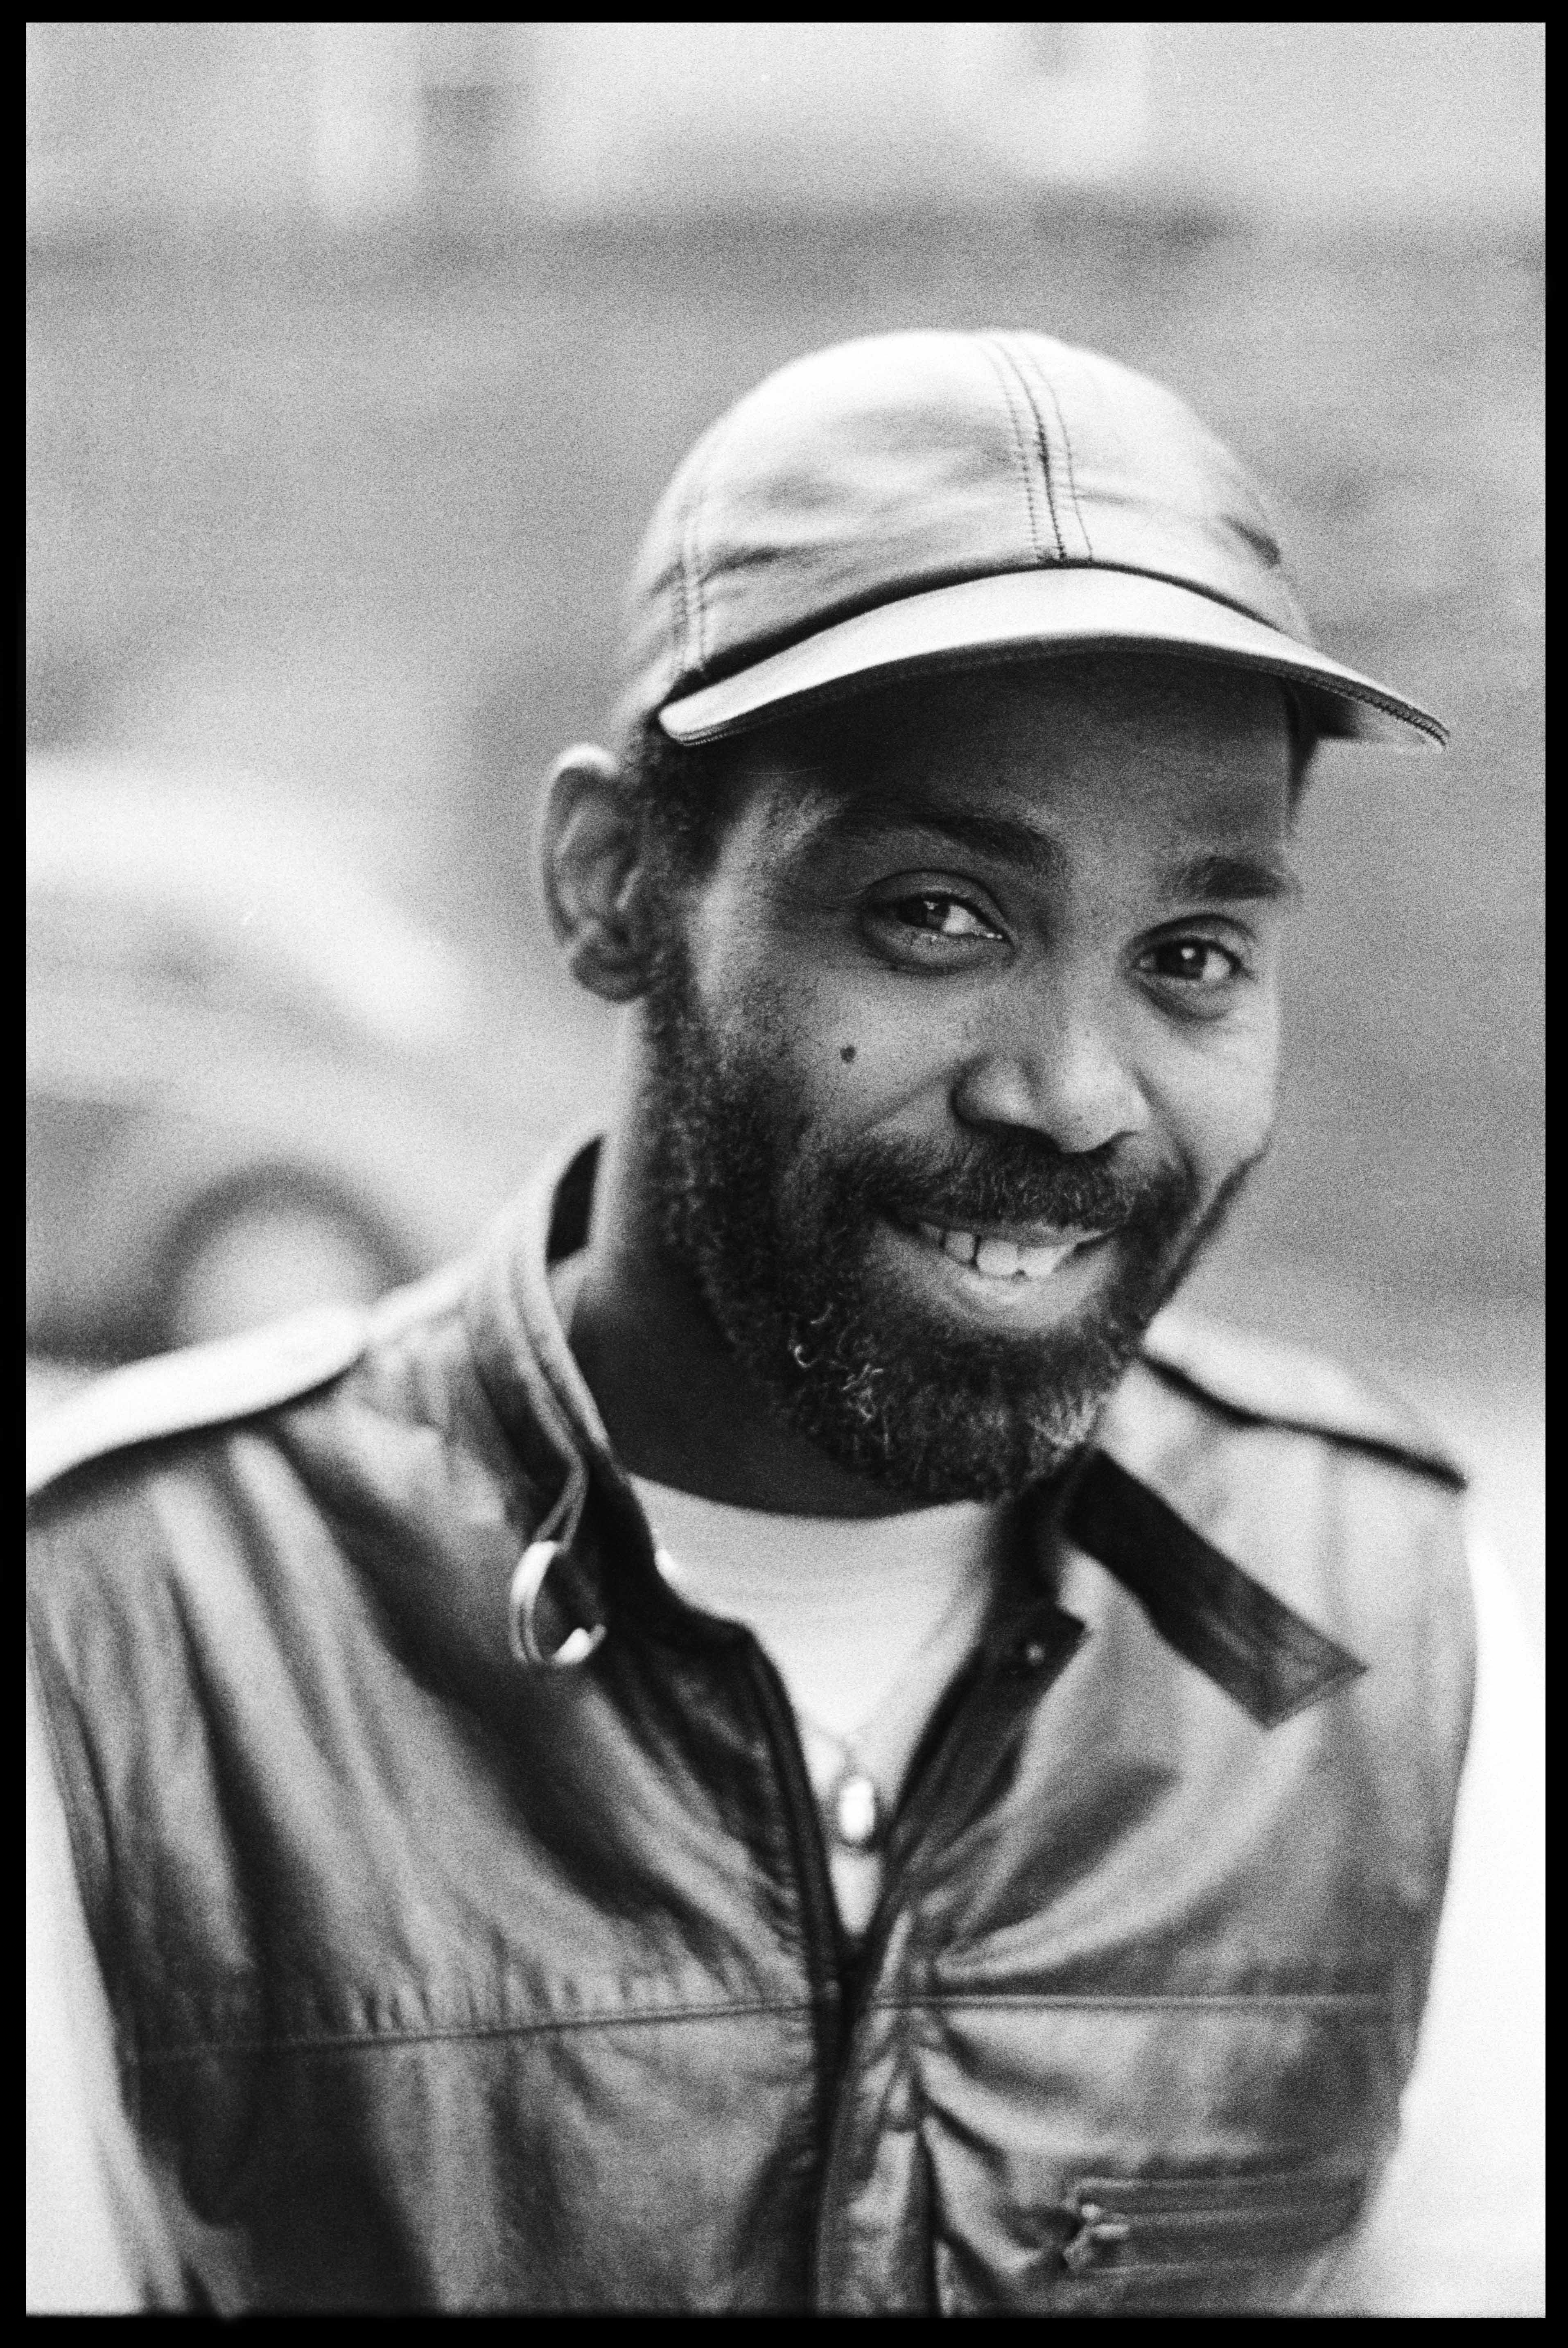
(844, 1056)
(1216, 1094)
(846, 1045)
(875, 1057)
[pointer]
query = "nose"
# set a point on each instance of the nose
(1062, 1075)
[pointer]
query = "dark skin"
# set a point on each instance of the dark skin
(1049, 896)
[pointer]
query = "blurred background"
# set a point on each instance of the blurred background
(357, 356)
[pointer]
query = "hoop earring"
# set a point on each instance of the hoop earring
(522, 1611)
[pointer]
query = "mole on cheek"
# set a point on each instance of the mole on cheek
(847, 1051)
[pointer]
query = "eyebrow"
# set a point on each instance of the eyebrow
(1232, 878)
(868, 817)
(1223, 876)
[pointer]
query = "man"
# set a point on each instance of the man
(783, 1739)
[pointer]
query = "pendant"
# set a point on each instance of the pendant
(856, 1811)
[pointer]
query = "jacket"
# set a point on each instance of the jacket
(467, 1923)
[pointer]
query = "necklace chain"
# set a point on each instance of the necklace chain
(855, 1804)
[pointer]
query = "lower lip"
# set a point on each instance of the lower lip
(1013, 1299)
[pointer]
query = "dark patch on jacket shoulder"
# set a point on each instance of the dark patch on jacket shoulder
(203, 1386)
(1266, 1656)
(1257, 1382)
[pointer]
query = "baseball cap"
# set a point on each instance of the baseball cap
(912, 503)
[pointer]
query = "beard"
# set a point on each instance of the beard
(779, 1238)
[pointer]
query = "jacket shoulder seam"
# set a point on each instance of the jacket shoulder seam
(205, 1386)
(1194, 1356)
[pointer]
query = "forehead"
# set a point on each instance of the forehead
(1124, 748)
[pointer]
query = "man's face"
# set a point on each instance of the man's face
(964, 1046)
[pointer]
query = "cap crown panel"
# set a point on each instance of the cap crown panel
(891, 465)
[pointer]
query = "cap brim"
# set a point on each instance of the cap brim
(1031, 615)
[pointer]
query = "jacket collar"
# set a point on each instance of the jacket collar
(521, 1350)
(1225, 1623)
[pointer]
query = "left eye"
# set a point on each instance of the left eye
(1194, 962)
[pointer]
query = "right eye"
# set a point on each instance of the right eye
(942, 916)
(933, 931)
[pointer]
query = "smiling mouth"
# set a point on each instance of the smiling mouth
(1031, 1255)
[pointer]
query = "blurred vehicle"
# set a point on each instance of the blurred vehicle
(248, 1073)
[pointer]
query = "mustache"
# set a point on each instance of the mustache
(1016, 1176)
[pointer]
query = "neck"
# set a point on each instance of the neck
(677, 1406)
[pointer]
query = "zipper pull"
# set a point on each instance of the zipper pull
(1096, 2231)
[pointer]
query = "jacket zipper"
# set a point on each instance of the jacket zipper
(1050, 1646)
(819, 1909)
(833, 2018)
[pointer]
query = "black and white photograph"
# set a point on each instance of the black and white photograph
(785, 790)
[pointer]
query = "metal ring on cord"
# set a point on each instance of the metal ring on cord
(522, 1605)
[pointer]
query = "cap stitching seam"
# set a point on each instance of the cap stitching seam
(699, 504)
(1033, 376)
(695, 607)
(691, 599)
(1022, 451)
(1049, 390)
(1041, 442)
(678, 597)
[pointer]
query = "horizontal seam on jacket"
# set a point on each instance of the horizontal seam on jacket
(539, 2028)
(1365, 2000)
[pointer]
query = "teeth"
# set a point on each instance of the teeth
(997, 1259)
(1040, 1262)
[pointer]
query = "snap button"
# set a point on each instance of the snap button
(1032, 1655)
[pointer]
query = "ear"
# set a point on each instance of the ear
(591, 862)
